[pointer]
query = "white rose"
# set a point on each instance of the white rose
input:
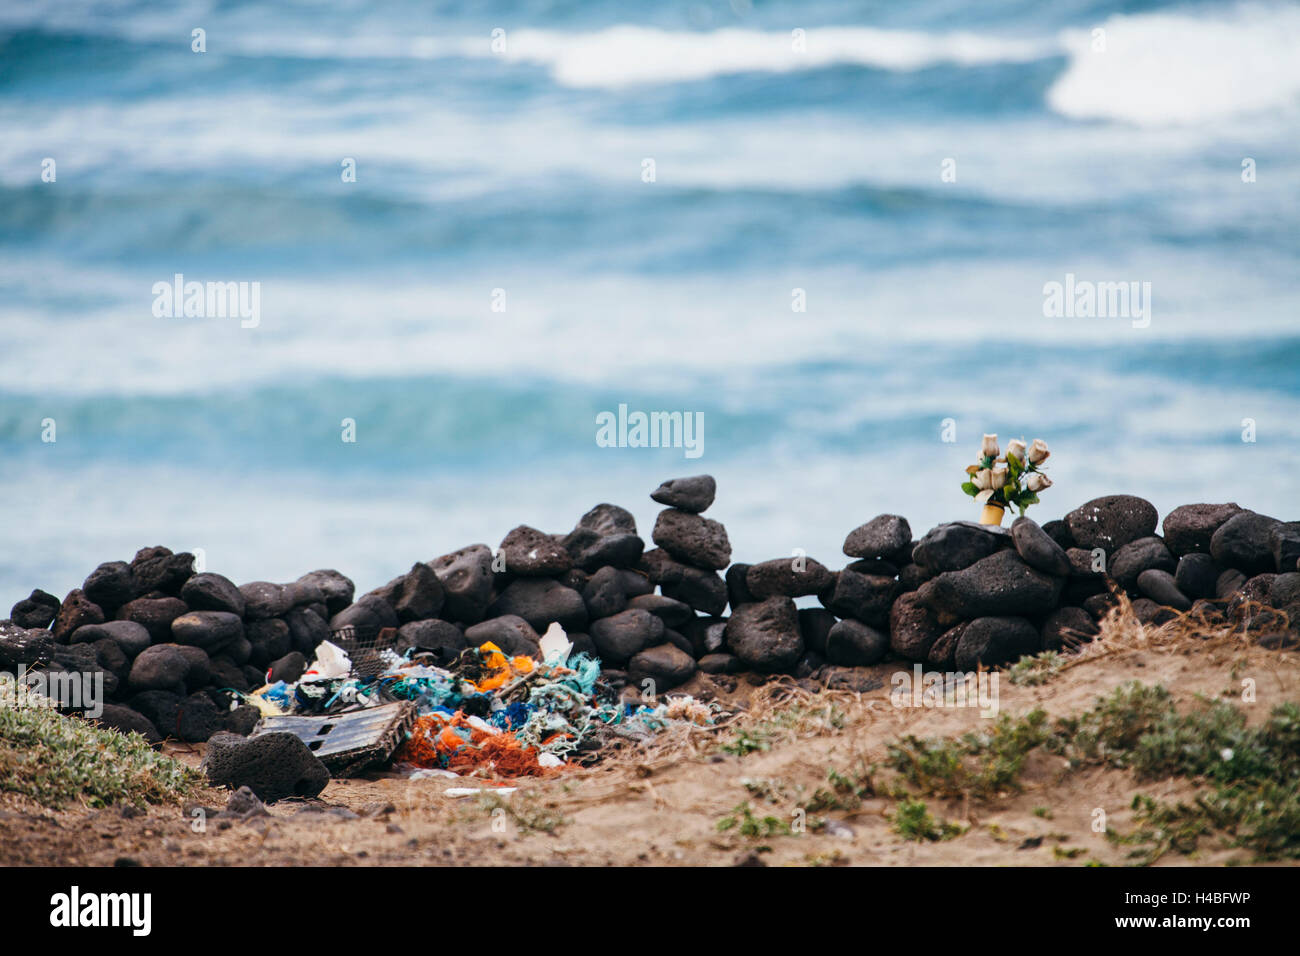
(984, 496)
(1038, 451)
(999, 477)
(1037, 482)
(1016, 447)
(983, 479)
(990, 447)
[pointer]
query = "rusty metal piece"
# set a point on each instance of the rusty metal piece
(348, 743)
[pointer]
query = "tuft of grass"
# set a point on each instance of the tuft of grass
(527, 814)
(977, 765)
(56, 760)
(912, 821)
(1036, 670)
(845, 790)
(801, 718)
(742, 820)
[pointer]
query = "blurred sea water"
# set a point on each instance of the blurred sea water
(783, 161)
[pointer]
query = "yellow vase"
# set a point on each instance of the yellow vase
(992, 514)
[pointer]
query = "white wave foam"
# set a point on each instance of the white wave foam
(1178, 68)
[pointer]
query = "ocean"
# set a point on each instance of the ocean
(824, 230)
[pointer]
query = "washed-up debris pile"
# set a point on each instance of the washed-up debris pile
(509, 715)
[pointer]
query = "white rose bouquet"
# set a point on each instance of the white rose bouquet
(1013, 479)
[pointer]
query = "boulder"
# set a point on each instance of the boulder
(1067, 627)
(1196, 575)
(720, 663)
(110, 585)
(510, 632)
(765, 635)
(1188, 529)
(603, 594)
(604, 537)
(445, 641)
(943, 652)
(1228, 583)
(416, 595)
(273, 766)
(155, 615)
(814, 626)
(1160, 586)
(693, 539)
(530, 553)
(369, 615)
(541, 602)
(306, 630)
(622, 636)
(888, 537)
(1144, 554)
(264, 600)
(160, 667)
(210, 630)
(955, 546)
(666, 665)
(706, 634)
(1283, 541)
(913, 629)
(160, 569)
(212, 592)
(705, 591)
(269, 640)
(124, 720)
(75, 611)
(36, 611)
(1059, 532)
(1111, 522)
(737, 588)
(672, 613)
(1242, 542)
(692, 495)
(991, 641)
(863, 597)
(288, 668)
(466, 577)
(20, 646)
(1038, 549)
(788, 577)
(337, 590)
(131, 637)
(997, 586)
(193, 719)
(854, 644)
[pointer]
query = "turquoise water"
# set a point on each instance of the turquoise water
(516, 176)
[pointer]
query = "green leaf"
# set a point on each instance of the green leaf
(969, 488)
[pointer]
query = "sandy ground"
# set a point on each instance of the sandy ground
(663, 808)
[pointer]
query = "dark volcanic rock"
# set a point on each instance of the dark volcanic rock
(210, 630)
(1242, 542)
(131, 637)
(368, 616)
(854, 644)
(788, 577)
(1189, 529)
(1099, 605)
(991, 641)
(510, 632)
(1283, 541)
(672, 613)
(765, 635)
(814, 626)
(127, 721)
(706, 634)
(888, 537)
(693, 539)
(161, 667)
(416, 595)
(442, 639)
(1160, 587)
(624, 635)
(77, 610)
(337, 589)
(912, 628)
(155, 615)
(1144, 554)
(1284, 590)
(665, 664)
(288, 668)
(1059, 532)
(193, 719)
(1228, 583)
(159, 569)
(660, 567)
(212, 592)
(531, 553)
(243, 720)
(306, 630)
(720, 664)
(943, 652)
(1038, 548)
(110, 585)
(912, 576)
(705, 591)
(954, 546)
(737, 589)
(605, 537)
(273, 766)
(264, 600)
(269, 641)
(1111, 522)
(466, 577)
(866, 598)
(603, 594)
(226, 673)
(23, 646)
(693, 494)
(36, 611)
(999, 585)
(1067, 627)
(541, 601)
(111, 658)
(1196, 575)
